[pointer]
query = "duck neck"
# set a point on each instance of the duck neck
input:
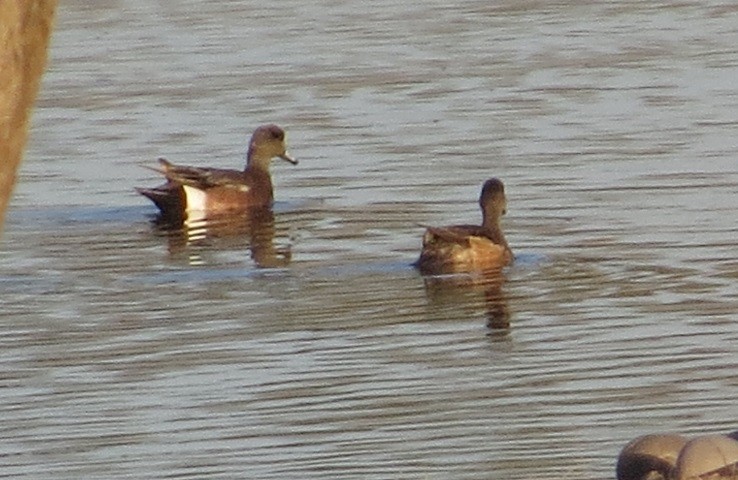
(490, 220)
(257, 161)
(491, 223)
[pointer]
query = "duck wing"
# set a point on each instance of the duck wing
(458, 234)
(202, 178)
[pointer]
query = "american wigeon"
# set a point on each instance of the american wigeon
(461, 248)
(214, 191)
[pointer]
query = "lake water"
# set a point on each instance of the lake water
(318, 351)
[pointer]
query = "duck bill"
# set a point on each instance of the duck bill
(289, 158)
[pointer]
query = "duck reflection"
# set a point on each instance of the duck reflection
(471, 257)
(448, 288)
(255, 231)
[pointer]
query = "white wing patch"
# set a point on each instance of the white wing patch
(194, 199)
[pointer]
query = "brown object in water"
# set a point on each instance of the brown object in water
(650, 457)
(713, 457)
(467, 248)
(25, 29)
(202, 191)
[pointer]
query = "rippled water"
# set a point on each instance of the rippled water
(314, 350)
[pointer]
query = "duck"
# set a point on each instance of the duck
(468, 248)
(215, 191)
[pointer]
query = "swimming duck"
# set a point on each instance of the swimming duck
(214, 191)
(462, 248)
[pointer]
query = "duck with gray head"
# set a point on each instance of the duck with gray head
(215, 191)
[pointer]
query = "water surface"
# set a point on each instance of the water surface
(129, 352)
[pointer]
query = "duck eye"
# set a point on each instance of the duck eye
(278, 133)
